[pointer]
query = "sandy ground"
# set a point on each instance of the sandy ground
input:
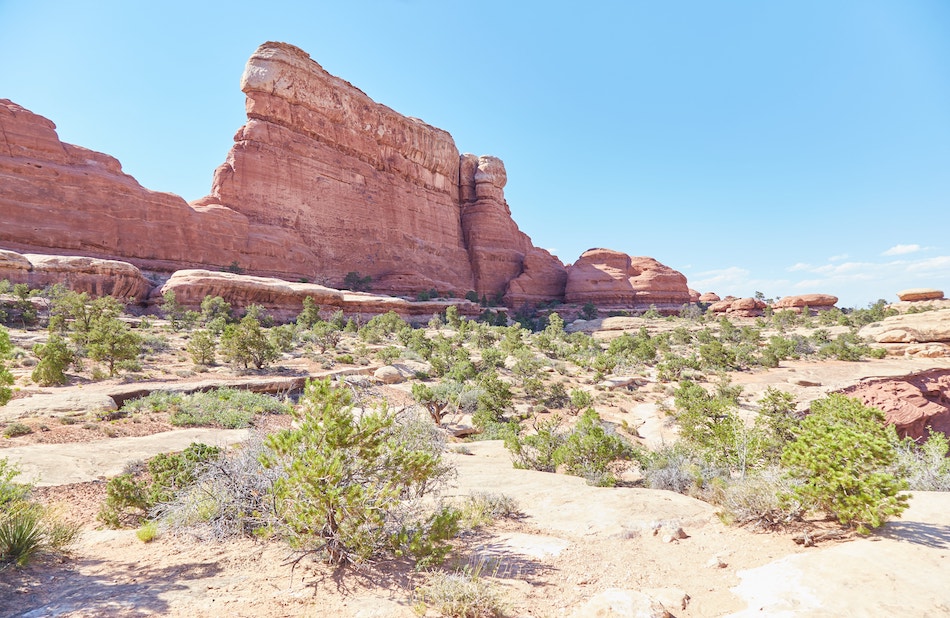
(573, 542)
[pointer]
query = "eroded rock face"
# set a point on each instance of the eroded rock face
(814, 302)
(739, 307)
(283, 300)
(709, 297)
(925, 327)
(611, 279)
(321, 181)
(94, 276)
(912, 404)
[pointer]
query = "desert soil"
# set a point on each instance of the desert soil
(572, 542)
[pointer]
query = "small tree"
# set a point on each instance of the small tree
(841, 453)
(309, 314)
(354, 281)
(55, 356)
(202, 347)
(246, 343)
(326, 335)
(173, 311)
(111, 340)
(346, 476)
(589, 311)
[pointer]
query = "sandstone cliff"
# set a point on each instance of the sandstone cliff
(321, 181)
(611, 279)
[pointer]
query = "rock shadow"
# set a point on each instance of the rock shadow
(115, 589)
(919, 533)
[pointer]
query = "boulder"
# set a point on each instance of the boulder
(389, 375)
(731, 306)
(614, 280)
(920, 294)
(914, 404)
(924, 327)
(814, 302)
(709, 297)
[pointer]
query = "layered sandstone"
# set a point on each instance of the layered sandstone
(283, 300)
(94, 276)
(915, 404)
(920, 294)
(798, 303)
(731, 306)
(320, 182)
(614, 280)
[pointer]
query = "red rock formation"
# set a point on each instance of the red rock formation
(920, 294)
(321, 181)
(814, 302)
(614, 280)
(284, 300)
(738, 307)
(81, 274)
(709, 297)
(911, 404)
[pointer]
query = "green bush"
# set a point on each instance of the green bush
(246, 343)
(591, 451)
(17, 429)
(129, 496)
(842, 453)
(202, 347)
(347, 477)
(55, 356)
(6, 378)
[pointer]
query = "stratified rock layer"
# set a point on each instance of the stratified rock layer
(814, 302)
(914, 404)
(320, 182)
(611, 279)
(739, 307)
(94, 276)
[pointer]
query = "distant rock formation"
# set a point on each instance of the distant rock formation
(913, 334)
(920, 294)
(814, 302)
(320, 182)
(709, 297)
(614, 280)
(730, 306)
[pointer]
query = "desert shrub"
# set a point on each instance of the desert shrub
(580, 399)
(202, 347)
(847, 347)
(677, 468)
(926, 466)
(591, 451)
(55, 356)
(229, 408)
(110, 340)
(129, 496)
(6, 378)
(309, 313)
(246, 343)
(756, 500)
(326, 335)
(229, 497)
(215, 309)
(842, 453)
(356, 282)
(589, 311)
(462, 594)
(27, 528)
(588, 450)
(16, 429)
(348, 479)
(481, 508)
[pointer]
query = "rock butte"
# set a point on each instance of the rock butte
(321, 181)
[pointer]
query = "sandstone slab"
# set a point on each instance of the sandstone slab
(924, 327)
(919, 294)
(914, 404)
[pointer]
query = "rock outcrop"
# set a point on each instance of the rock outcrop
(320, 182)
(82, 274)
(919, 294)
(614, 280)
(913, 334)
(730, 306)
(283, 299)
(914, 404)
(814, 302)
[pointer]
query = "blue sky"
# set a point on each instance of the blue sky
(785, 147)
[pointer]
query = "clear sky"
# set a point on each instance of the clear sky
(781, 146)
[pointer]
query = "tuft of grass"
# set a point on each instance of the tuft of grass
(463, 594)
(14, 430)
(148, 532)
(481, 508)
(21, 534)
